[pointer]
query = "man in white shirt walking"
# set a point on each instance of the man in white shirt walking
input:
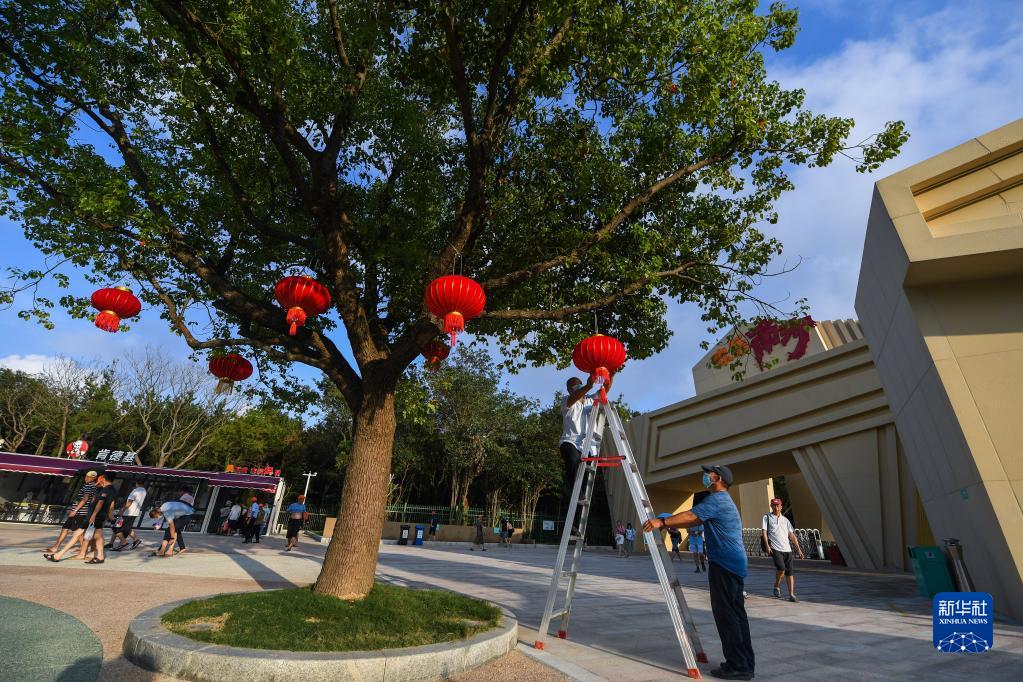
(233, 518)
(778, 532)
(130, 513)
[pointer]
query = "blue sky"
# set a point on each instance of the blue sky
(949, 69)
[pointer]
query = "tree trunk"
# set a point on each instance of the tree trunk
(42, 445)
(350, 565)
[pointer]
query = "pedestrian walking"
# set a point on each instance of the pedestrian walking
(77, 512)
(185, 496)
(234, 518)
(171, 512)
(297, 516)
(630, 539)
(502, 526)
(727, 569)
(620, 538)
(696, 547)
(675, 535)
(480, 535)
(779, 536)
(101, 509)
(434, 524)
(130, 513)
(250, 520)
(268, 512)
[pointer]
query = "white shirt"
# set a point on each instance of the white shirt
(630, 533)
(574, 420)
(778, 529)
(135, 499)
(175, 509)
(236, 511)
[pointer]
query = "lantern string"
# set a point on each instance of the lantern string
(596, 328)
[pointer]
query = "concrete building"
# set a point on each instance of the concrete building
(901, 428)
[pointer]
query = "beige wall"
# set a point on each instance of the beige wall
(824, 417)
(940, 300)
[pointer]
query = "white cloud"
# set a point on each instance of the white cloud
(29, 363)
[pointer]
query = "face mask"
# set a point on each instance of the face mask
(706, 480)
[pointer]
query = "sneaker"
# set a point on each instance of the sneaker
(792, 598)
(729, 674)
(697, 570)
(777, 592)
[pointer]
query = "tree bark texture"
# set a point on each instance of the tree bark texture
(350, 565)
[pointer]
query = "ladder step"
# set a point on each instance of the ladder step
(569, 574)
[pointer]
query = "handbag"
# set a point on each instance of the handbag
(89, 532)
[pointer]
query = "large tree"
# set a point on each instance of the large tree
(572, 156)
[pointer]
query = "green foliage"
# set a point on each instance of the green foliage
(572, 156)
(300, 620)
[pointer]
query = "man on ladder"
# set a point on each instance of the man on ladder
(575, 411)
(601, 414)
(723, 535)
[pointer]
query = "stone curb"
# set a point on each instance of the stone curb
(151, 646)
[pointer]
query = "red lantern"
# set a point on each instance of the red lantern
(599, 356)
(435, 352)
(229, 369)
(301, 296)
(243, 470)
(277, 473)
(455, 299)
(114, 304)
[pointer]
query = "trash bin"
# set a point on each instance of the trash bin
(403, 536)
(931, 571)
(420, 532)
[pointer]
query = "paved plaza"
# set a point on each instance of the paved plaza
(848, 626)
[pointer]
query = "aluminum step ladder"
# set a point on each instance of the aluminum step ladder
(606, 415)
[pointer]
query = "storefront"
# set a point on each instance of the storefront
(36, 489)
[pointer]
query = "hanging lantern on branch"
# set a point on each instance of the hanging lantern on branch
(114, 304)
(302, 296)
(229, 369)
(435, 352)
(599, 356)
(455, 299)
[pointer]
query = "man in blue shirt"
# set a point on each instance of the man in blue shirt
(722, 529)
(297, 516)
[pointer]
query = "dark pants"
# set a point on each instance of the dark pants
(252, 530)
(726, 603)
(570, 453)
(179, 526)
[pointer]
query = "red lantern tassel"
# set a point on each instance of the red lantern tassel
(224, 386)
(454, 323)
(108, 321)
(296, 316)
(601, 376)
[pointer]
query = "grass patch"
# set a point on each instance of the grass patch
(299, 620)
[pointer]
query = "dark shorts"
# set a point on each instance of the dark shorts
(782, 561)
(233, 524)
(99, 523)
(71, 523)
(127, 524)
(294, 526)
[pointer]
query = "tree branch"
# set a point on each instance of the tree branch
(605, 230)
(603, 302)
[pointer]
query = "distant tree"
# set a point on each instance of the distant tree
(169, 409)
(262, 435)
(21, 396)
(571, 155)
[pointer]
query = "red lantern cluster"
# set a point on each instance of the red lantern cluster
(435, 352)
(599, 356)
(455, 299)
(229, 369)
(114, 304)
(302, 297)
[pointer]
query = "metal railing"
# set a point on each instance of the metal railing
(809, 540)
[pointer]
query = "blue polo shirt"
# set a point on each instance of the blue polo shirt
(722, 532)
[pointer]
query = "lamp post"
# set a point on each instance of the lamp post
(308, 477)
